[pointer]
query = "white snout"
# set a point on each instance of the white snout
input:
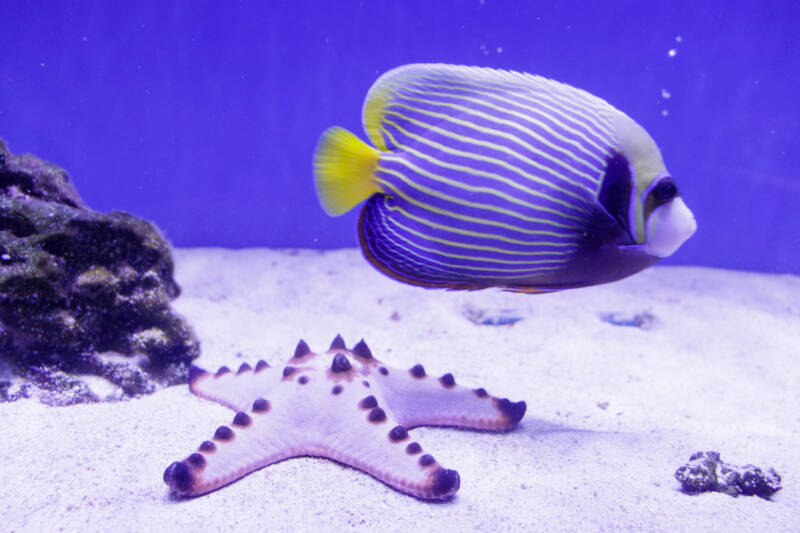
(669, 226)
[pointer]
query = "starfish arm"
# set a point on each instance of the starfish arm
(417, 399)
(237, 390)
(356, 428)
(252, 441)
(315, 414)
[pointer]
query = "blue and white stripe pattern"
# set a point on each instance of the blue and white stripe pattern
(489, 177)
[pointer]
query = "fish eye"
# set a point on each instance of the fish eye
(665, 191)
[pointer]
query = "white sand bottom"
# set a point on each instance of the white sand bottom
(612, 410)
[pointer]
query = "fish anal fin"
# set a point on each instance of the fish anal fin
(385, 255)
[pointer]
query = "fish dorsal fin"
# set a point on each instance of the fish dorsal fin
(476, 81)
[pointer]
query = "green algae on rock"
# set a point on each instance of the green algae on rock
(85, 297)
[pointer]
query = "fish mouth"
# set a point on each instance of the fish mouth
(668, 227)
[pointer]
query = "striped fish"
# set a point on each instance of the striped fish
(488, 178)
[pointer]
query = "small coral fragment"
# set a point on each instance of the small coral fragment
(705, 472)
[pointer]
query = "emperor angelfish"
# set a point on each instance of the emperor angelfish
(490, 178)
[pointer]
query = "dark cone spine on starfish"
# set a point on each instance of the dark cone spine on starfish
(196, 460)
(448, 381)
(260, 405)
(369, 402)
(195, 373)
(223, 434)
(398, 434)
(445, 483)
(513, 411)
(377, 415)
(338, 343)
(242, 420)
(179, 477)
(362, 350)
(413, 448)
(302, 349)
(418, 371)
(340, 363)
(207, 446)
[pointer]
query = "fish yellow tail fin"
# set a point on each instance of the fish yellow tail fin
(344, 167)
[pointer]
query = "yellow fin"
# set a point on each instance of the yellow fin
(344, 167)
(372, 113)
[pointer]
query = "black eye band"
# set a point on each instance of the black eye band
(659, 194)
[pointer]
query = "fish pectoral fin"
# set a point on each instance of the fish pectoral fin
(344, 168)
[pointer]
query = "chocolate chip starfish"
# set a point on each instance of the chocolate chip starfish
(341, 404)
